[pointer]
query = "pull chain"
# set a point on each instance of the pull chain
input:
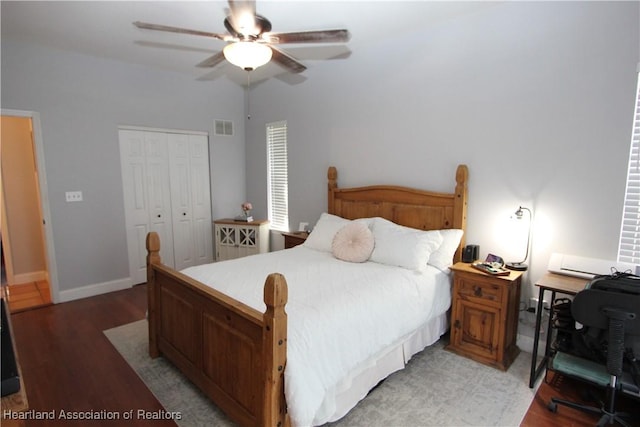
(248, 94)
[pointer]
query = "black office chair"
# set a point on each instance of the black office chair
(619, 314)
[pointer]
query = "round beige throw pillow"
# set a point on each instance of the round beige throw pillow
(353, 243)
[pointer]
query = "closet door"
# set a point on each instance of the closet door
(144, 161)
(190, 199)
(201, 198)
(158, 194)
(181, 200)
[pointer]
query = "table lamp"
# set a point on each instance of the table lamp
(520, 265)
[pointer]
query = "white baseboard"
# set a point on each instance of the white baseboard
(95, 289)
(33, 276)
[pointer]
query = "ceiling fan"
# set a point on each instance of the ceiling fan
(250, 42)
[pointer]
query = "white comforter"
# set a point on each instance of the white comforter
(339, 314)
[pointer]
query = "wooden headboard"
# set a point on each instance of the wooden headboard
(421, 209)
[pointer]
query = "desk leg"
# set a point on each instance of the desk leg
(547, 349)
(535, 370)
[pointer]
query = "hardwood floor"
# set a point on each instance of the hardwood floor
(68, 363)
(570, 389)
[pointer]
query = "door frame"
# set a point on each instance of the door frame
(38, 148)
(5, 239)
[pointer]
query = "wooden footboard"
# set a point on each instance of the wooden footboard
(232, 352)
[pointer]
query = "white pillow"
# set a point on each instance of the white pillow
(353, 243)
(326, 228)
(442, 258)
(403, 246)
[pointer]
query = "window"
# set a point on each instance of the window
(629, 249)
(277, 176)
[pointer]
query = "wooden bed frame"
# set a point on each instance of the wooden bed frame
(235, 354)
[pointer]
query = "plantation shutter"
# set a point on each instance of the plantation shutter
(629, 249)
(278, 181)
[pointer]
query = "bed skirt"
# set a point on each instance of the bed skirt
(353, 389)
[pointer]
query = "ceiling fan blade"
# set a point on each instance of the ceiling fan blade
(243, 18)
(156, 27)
(212, 61)
(321, 36)
(287, 61)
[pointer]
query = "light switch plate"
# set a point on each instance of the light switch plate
(303, 226)
(73, 196)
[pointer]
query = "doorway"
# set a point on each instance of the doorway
(24, 231)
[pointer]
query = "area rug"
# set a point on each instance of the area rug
(437, 388)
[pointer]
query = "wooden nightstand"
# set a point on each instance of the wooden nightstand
(484, 315)
(294, 238)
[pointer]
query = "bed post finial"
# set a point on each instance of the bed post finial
(275, 351)
(460, 206)
(153, 248)
(462, 175)
(332, 178)
(153, 258)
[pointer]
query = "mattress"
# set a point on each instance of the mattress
(349, 324)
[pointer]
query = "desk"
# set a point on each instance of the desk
(556, 283)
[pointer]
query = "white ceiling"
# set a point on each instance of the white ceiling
(104, 29)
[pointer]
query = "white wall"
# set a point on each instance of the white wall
(535, 97)
(82, 100)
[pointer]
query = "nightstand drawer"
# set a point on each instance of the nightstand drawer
(475, 288)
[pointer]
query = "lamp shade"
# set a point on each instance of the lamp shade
(247, 55)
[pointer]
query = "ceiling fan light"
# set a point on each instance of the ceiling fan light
(247, 55)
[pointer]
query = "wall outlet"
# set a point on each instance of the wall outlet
(303, 226)
(533, 304)
(73, 196)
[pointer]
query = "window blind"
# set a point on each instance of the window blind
(277, 180)
(629, 248)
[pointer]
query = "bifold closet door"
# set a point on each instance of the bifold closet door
(190, 199)
(146, 186)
